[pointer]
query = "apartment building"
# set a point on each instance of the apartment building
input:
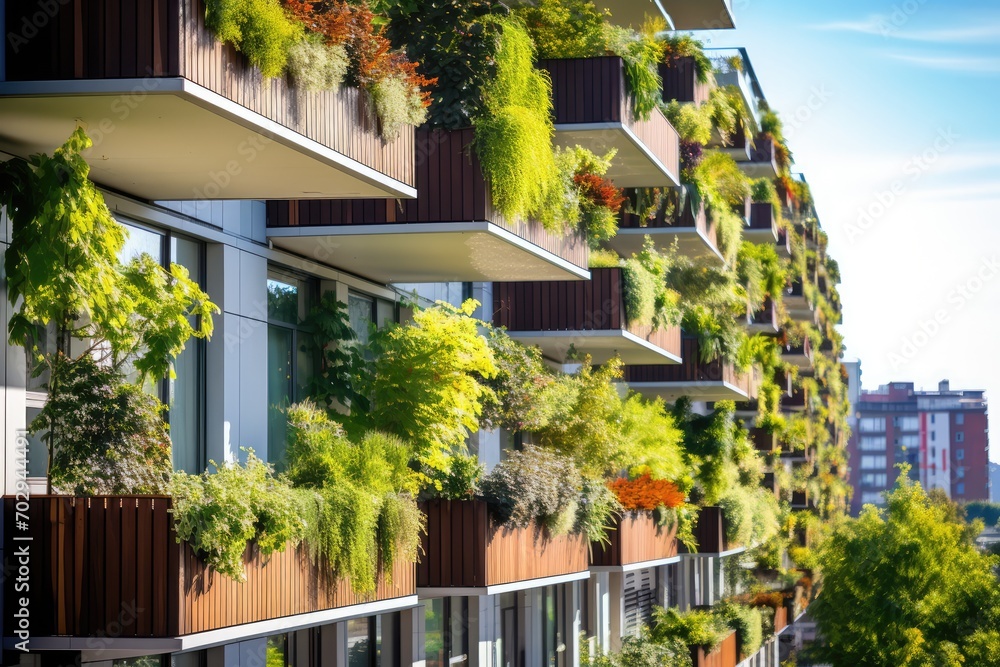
(262, 191)
(942, 435)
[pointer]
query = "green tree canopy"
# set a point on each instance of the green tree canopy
(905, 586)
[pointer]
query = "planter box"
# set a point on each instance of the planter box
(680, 82)
(464, 548)
(635, 539)
(450, 232)
(589, 315)
(711, 531)
(712, 381)
(685, 226)
(724, 655)
(178, 115)
(94, 559)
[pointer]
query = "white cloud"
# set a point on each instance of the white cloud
(951, 63)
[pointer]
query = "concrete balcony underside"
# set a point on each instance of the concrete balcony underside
(701, 381)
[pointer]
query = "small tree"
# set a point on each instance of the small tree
(63, 270)
(904, 585)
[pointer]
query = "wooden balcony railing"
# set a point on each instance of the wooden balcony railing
(693, 369)
(464, 548)
(711, 531)
(680, 82)
(780, 619)
(724, 655)
(635, 538)
(763, 440)
(450, 188)
(108, 564)
(763, 149)
(767, 316)
(594, 91)
(762, 216)
(151, 39)
(575, 305)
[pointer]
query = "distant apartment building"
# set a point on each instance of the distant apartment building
(941, 434)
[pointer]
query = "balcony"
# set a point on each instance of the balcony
(680, 82)
(112, 567)
(763, 161)
(724, 655)
(764, 441)
(465, 553)
(593, 108)
(176, 115)
(800, 355)
(686, 225)
(770, 483)
(764, 321)
(797, 304)
(450, 232)
(736, 144)
(784, 244)
(712, 381)
(636, 542)
(763, 226)
(711, 533)
(586, 315)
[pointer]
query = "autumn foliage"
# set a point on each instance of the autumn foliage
(646, 493)
(600, 191)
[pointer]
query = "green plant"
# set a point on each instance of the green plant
(330, 338)
(397, 105)
(315, 65)
(459, 482)
(641, 53)
(653, 439)
(686, 46)
(514, 128)
(523, 387)
(643, 651)
(533, 485)
(597, 510)
(219, 513)
(762, 191)
(693, 628)
(746, 621)
(426, 385)
(564, 28)
(112, 437)
(260, 29)
(693, 123)
(647, 298)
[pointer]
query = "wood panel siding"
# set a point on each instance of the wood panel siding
(680, 81)
(763, 149)
(574, 305)
(595, 91)
(635, 538)
(711, 531)
(113, 39)
(724, 655)
(682, 218)
(463, 547)
(106, 562)
(762, 216)
(691, 369)
(767, 315)
(450, 188)
(780, 619)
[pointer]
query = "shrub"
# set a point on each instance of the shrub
(219, 514)
(317, 66)
(565, 28)
(692, 123)
(686, 46)
(533, 485)
(641, 53)
(693, 628)
(654, 440)
(746, 621)
(522, 398)
(397, 105)
(260, 29)
(597, 510)
(459, 482)
(642, 651)
(514, 130)
(646, 493)
(762, 192)
(110, 436)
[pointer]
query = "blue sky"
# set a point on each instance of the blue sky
(890, 112)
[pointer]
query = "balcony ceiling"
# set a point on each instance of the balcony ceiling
(602, 346)
(634, 165)
(706, 390)
(690, 242)
(699, 14)
(759, 169)
(181, 142)
(426, 252)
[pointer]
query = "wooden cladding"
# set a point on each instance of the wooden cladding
(635, 538)
(762, 216)
(574, 305)
(711, 531)
(108, 562)
(595, 91)
(724, 655)
(450, 188)
(150, 39)
(763, 149)
(763, 440)
(780, 619)
(464, 548)
(691, 369)
(680, 81)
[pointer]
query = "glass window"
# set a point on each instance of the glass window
(186, 392)
(959, 436)
(933, 435)
(144, 661)
(446, 623)
(906, 423)
(434, 649)
(960, 488)
(508, 649)
(872, 425)
(277, 651)
(361, 311)
(873, 462)
(289, 364)
(872, 443)
(192, 659)
(932, 419)
(960, 453)
(960, 472)
(872, 498)
(359, 645)
(959, 418)
(908, 441)
(874, 479)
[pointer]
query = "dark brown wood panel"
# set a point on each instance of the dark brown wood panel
(109, 39)
(597, 304)
(464, 548)
(680, 81)
(635, 538)
(762, 216)
(112, 565)
(763, 149)
(724, 655)
(711, 531)
(691, 369)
